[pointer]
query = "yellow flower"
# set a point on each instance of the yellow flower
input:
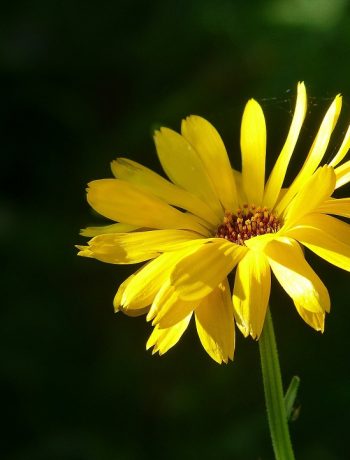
(195, 228)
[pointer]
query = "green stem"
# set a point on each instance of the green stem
(275, 405)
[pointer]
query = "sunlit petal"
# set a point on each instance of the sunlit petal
(315, 191)
(342, 173)
(326, 236)
(343, 149)
(275, 181)
(296, 276)
(253, 147)
(316, 153)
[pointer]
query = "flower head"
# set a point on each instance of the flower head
(209, 222)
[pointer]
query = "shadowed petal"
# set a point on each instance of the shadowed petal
(251, 293)
(168, 309)
(184, 167)
(211, 150)
(336, 206)
(315, 320)
(163, 339)
(143, 286)
(103, 229)
(154, 184)
(215, 324)
(123, 202)
(195, 276)
(130, 248)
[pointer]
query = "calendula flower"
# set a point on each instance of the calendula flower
(208, 219)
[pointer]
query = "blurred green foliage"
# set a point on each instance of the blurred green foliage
(84, 82)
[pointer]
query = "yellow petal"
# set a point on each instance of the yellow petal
(163, 339)
(168, 309)
(318, 188)
(338, 207)
(253, 147)
(120, 201)
(275, 181)
(154, 184)
(118, 297)
(196, 275)
(183, 166)
(342, 173)
(315, 155)
(145, 284)
(215, 324)
(211, 150)
(241, 196)
(257, 243)
(326, 236)
(251, 293)
(315, 320)
(130, 248)
(135, 313)
(296, 276)
(343, 150)
(102, 230)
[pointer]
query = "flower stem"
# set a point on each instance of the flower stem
(275, 405)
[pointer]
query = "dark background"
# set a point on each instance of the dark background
(83, 83)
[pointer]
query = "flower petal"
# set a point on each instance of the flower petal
(196, 275)
(184, 167)
(343, 149)
(241, 196)
(342, 173)
(318, 188)
(154, 184)
(131, 248)
(336, 206)
(315, 155)
(275, 181)
(326, 236)
(253, 147)
(251, 293)
(168, 309)
(163, 339)
(103, 229)
(211, 150)
(296, 276)
(121, 201)
(143, 286)
(315, 320)
(215, 324)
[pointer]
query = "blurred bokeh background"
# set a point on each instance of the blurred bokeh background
(83, 82)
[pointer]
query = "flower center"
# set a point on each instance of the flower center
(246, 223)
